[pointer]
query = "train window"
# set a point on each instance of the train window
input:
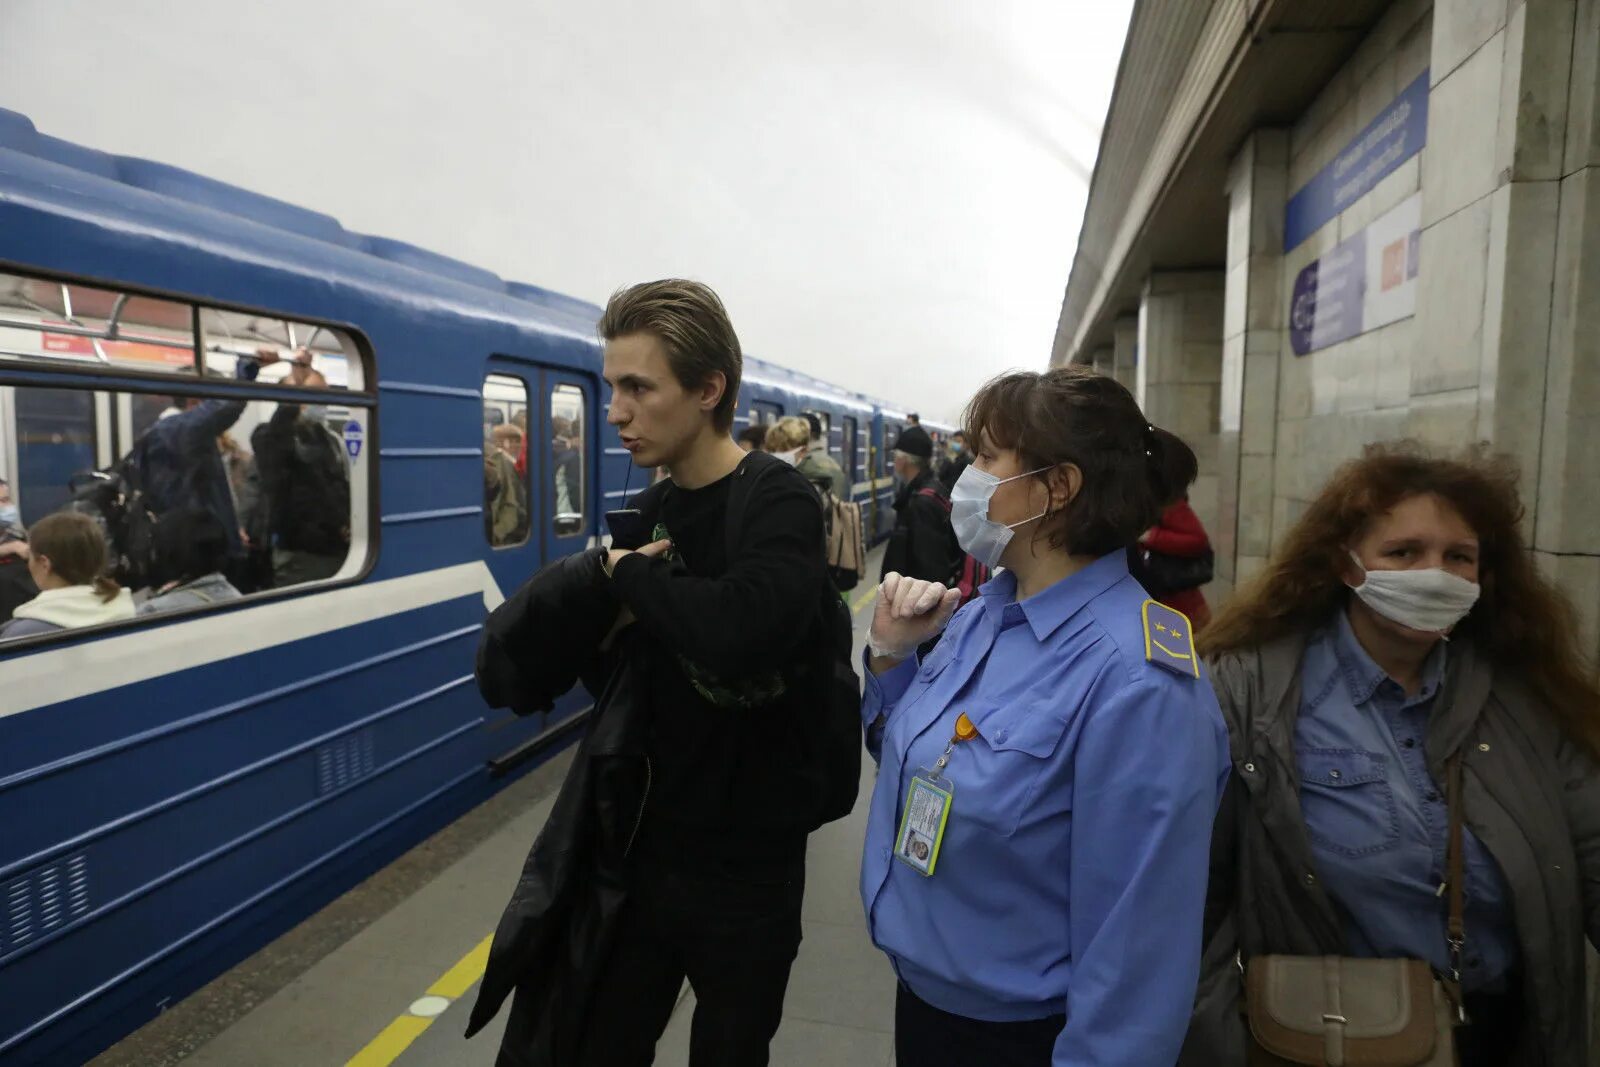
(184, 500)
(566, 459)
(505, 461)
(848, 424)
(318, 357)
(891, 433)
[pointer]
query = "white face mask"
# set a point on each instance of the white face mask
(1430, 600)
(790, 457)
(980, 536)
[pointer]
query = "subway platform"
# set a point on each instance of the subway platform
(388, 973)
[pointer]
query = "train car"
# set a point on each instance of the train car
(179, 788)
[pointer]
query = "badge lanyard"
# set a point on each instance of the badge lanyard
(927, 807)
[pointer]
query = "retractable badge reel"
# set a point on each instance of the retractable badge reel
(927, 807)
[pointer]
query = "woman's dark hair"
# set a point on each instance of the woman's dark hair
(76, 549)
(189, 543)
(1522, 621)
(1073, 415)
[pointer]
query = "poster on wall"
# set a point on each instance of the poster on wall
(1367, 280)
(1397, 134)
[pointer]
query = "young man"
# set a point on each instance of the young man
(718, 863)
(958, 460)
(922, 544)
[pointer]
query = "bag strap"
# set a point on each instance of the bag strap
(1455, 865)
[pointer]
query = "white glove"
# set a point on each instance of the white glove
(909, 612)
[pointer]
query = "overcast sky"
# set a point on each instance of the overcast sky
(887, 194)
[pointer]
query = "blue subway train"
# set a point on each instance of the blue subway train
(177, 789)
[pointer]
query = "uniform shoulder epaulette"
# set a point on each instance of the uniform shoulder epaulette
(1169, 640)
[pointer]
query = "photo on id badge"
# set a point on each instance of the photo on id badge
(922, 826)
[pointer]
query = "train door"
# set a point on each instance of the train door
(539, 503)
(765, 412)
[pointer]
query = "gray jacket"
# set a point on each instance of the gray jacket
(210, 589)
(1531, 796)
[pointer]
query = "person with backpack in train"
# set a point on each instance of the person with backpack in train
(922, 544)
(725, 728)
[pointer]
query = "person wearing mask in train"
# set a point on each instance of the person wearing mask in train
(753, 438)
(191, 548)
(922, 544)
(959, 459)
(818, 466)
(1036, 849)
(717, 626)
(307, 482)
(16, 584)
(67, 560)
(181, 465)
(789, 439)
(1415, 732)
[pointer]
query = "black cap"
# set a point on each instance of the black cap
(815, 424)
(914, 441)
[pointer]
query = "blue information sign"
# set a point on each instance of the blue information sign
(1396, 135)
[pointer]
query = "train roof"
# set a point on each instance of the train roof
(119, 189)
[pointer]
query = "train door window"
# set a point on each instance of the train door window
(891, 434)
(506, 512)
(567, 467)
(848, 459)
(764, 413)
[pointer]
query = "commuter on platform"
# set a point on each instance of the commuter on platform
(753, 438)
(67, 559)
(1173, 558)
(307, 480)
(959, 459)
(922, 544)
(1400, 669)
(789, 439)
(1036, 853)
(191, 549)
(677, 847)
(818, 466)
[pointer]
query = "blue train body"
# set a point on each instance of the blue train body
(176, 792)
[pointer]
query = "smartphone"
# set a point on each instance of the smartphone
(628, 529)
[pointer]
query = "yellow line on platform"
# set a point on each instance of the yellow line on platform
(863, 600)
(398, 1035)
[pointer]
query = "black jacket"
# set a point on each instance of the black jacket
(561, 917)
(307, 483)
(923, 544)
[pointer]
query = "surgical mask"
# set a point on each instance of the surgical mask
(790, 457)
(1430, 600)
(10, 515)
(980, 536)
(956, 448)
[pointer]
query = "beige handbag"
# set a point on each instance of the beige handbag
(1337, 1010)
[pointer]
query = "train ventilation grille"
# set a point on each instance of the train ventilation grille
(346, 760)
(42, 900)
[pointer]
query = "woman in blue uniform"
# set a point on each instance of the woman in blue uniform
(1037, 846)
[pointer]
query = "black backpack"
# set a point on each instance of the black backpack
(833, 747)
(115, 498)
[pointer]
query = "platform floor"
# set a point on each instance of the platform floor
(387, 974)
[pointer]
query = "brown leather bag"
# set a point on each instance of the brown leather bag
(1337, 1010)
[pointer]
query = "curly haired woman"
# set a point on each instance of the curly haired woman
(1400, 626)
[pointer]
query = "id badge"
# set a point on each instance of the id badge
(927, 810)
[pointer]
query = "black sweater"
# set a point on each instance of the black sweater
(732, 653)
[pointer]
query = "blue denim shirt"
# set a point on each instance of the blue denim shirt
(1379, 823)
(1073, 870)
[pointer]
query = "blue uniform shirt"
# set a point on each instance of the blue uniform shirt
(1072, 876)
(1379, 823)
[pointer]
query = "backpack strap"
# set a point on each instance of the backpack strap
(934, 494)
(746, 476)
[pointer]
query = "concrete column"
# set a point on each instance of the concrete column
(1125, 352)
(1179, 376)
(1252, 339)
(1103, 360)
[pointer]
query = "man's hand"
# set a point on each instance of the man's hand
(267, 356)
(654, 550)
